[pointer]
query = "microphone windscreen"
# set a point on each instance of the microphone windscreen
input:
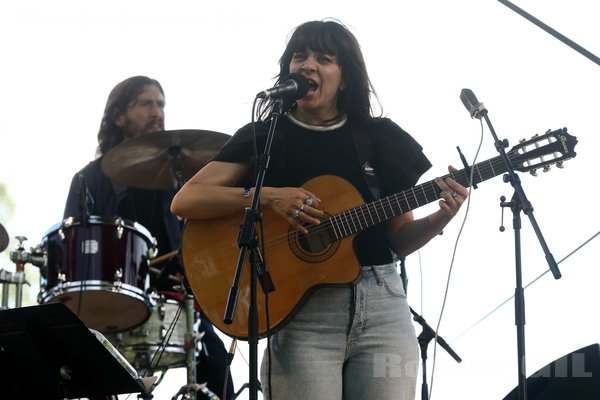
(301, 82)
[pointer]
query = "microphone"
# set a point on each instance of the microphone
(475, 108)
(86, 201)
(294, 86)
(83, 212)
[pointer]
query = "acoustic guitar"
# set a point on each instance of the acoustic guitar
(296, 264)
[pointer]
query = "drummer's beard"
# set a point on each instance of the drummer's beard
(131, 129)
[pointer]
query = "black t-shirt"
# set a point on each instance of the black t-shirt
(145, 207)
(300, 153)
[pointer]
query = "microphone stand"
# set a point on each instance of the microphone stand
(426, 335)
(424, 338)
(248, 242)
(519, 203)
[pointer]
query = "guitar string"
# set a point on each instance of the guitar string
(350, 221)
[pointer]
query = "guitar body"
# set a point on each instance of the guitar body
(296, 266)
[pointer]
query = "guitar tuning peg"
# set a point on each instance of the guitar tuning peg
(533, 172)
(546, 168)
(560, 164)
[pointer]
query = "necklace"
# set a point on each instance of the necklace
(335, 124)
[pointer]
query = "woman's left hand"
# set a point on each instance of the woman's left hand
(453, 194)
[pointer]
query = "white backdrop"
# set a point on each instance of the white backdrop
(60, 59)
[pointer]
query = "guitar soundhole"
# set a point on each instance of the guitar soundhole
(316, 246)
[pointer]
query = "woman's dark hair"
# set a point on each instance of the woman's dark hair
(332, 37)
(122, 96)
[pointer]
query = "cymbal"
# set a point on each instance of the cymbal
(3, 238)
(162, 160)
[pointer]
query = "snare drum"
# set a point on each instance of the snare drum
(99, 269)
(160, 342)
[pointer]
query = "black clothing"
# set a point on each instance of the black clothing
(355, 153)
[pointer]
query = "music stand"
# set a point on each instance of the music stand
(47, 352)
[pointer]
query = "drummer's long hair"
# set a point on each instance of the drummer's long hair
(122, 96)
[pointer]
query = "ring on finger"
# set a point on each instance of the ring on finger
(308, 201)
(454, 194)
(297, 214)
(302, 207)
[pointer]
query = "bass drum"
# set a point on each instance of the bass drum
(99, 269)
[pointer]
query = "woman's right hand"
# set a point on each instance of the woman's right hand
(297, 205)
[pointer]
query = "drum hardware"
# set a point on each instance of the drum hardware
(19, 256)
(119, 232)
(8, 278)
(35, 256)
(61, 232)
(190, 390)
(161, 315)
(161, 160)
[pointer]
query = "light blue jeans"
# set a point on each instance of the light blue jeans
(355, 342)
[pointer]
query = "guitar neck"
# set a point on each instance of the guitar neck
(367, 215)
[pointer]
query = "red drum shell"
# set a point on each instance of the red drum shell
(99, 270)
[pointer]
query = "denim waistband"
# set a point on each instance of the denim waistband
(380, 266)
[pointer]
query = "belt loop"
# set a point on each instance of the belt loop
(377, 276)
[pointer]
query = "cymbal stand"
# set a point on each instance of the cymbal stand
(6, 278)
(191, 339)
(190, 344)
(174, 157)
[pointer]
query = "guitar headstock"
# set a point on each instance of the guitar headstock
(553, 147)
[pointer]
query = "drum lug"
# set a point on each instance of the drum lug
(119, 222)
(58, 289)
(67, 223)
(152, 250)
(61, 278)
(161, 311)
(119, 275)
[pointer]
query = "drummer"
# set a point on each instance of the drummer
(136, 107)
